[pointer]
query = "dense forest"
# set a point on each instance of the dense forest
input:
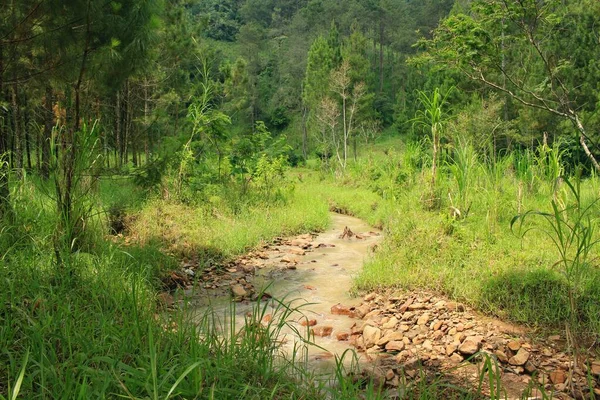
(146, 145)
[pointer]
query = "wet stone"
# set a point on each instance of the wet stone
(322, 331)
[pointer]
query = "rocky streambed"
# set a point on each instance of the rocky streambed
(395, 334)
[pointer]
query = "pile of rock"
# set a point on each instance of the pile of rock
(408, 329)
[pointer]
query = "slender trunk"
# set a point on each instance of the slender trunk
(381, 36)
(118, 162)
(146, 122)
(4, 192)
(27, 139)
(18, 139)
(345, 132)
(305, 132)
(582, 140)
(127, 135)
(435, 157)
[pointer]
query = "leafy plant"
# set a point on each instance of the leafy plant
(572, 231)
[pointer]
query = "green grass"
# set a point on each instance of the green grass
(474, 257)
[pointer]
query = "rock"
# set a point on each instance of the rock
(322, 331)
(309, 287)
(451, 348)
(239, 291)
(558, 377)
(460, 327)
(529, 367)
(454, 306)
(340, 309)
(342, 336)
(370, 297)
(395, 345)
(391, 324)
(520, 358)
(308, 322)
(303, 243)
(361, 311)
(165, 299)
(371, 335)
(297, 252)
(416, 306)
(437, 325)
(389, 375)
(595, 368)
(470, 345)
(554, 338)
(502, 357)
(514, 345)
(405, 306)
(423, 319)
(456, 358)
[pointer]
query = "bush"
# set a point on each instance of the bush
(535, 297)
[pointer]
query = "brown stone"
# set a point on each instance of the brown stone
(460, 327)
(340, 309)
(391, 324)
(267, 318)
(371, 335)
(520, 358)
(238, 291)
(308, 322)
(514, 345)
(558, 377)
(395, 345)
(595, 368)
(454, 306)
(322, 331)
(470, 345)
(423, 319)
(342, 336)
(437, 325)
(456, 358)
(416, 306)
(389, 375)
(529, 367)
(502, 357)
(451, 348)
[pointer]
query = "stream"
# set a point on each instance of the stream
(310, 272)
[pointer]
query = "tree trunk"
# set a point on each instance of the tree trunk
(127, 122)
(381, 36)
(4, 192)
(305, 132)
(27, 139)
(18, 139)
(118, 152)
(345, 133)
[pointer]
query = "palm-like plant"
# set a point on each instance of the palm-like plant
(432, 117)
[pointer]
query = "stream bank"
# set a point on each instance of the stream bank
(396, 334)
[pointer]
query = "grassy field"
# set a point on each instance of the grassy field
(463, 244)
(99, 332)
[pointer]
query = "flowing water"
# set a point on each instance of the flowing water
(320, 278)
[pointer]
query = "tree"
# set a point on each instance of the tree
(517, 48)
(316, 84)
(350, 95)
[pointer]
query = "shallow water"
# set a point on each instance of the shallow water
(322, 278)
